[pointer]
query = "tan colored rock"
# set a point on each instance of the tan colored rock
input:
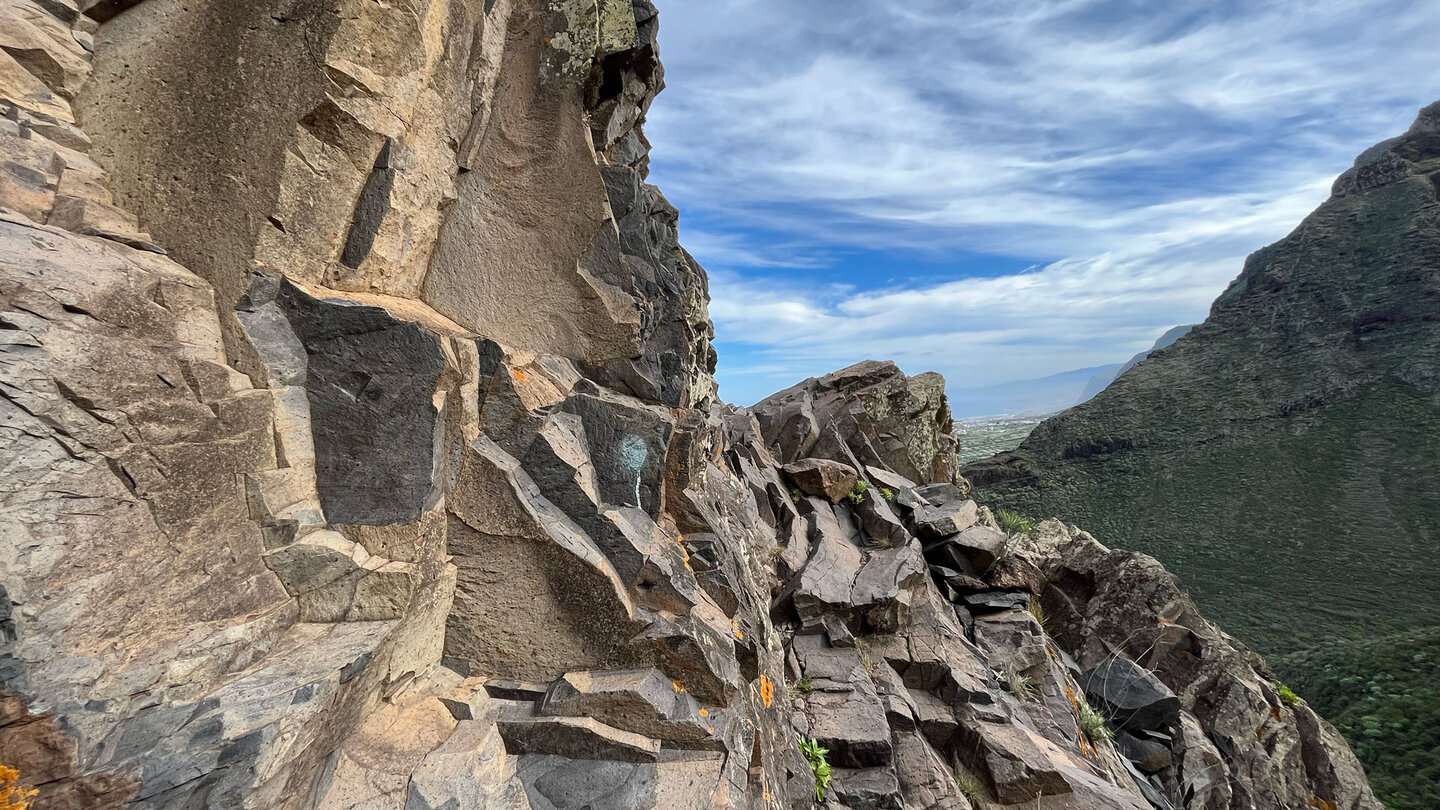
(533, 198)
(42, 45)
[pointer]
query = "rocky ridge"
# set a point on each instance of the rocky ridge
(361, 451)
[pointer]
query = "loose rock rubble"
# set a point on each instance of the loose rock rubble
(383, 468)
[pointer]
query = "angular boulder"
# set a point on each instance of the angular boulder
(828, 479)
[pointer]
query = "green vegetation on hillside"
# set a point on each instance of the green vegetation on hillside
(1383, 693)
(1288, 561)
(984, 438)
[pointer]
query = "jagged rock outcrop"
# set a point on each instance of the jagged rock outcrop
(1287, 440)
(361, 451)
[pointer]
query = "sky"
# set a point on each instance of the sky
(1002, 190)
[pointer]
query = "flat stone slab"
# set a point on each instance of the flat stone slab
(576, 738)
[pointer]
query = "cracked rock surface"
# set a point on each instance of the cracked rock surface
(361, 450)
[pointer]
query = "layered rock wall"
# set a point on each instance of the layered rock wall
(361, 451)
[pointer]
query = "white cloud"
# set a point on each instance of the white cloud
(1136, 151)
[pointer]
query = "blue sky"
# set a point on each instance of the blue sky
(1006, 189)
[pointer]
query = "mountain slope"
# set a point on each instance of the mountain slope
(1284, 456)
(1099, 382)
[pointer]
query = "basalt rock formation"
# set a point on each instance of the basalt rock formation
(1289, 439)
(361, 451)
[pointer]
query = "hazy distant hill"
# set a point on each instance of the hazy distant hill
(1099, 382)
(1039, 397)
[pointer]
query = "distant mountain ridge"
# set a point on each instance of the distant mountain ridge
(1102, 380)
(1041, 396)
(1284, 457)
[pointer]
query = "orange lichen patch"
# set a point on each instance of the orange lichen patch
(1321, 804)
(13, 795)
(517, 374)
(704, 712)
(1074, 701)
(767, 691)
(1086, 748)
(679, 687)
(1275, 713)
(736, 631)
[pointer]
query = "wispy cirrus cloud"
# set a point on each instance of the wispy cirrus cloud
(1102, 166)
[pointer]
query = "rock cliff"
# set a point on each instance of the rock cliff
(1290, 437)
(361, 451)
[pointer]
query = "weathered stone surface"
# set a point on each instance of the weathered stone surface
(897, 422)
(423, 500)
(981, 545)
(830, 480)
(867, 789)
(1131, 697)
(843, 710)
(576, 738)
(1149, 756)
(643, 701)
(372, 382)
(950, 518)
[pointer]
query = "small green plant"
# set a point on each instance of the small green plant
(1037, 611)
(796, 495)
(1019, 684)
(802, 686)
(887, 494)
(815, 755)
(1013, 522)
(857, 493)
(1287, 695)
(1092, 722)
(971, 786)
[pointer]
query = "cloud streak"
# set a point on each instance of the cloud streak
(1129, 154)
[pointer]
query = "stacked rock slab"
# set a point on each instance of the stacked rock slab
(361, 451)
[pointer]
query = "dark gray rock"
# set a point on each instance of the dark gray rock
(627, 440)
(1130, 695)
(995, 601)
(575, 738)
(881, 524)
(947, 519)
(940, 494)
(867, 789)
(870, 413)
(982, 545)
(643, 701)
(1148, 755)
(559, 783)
(371, 381)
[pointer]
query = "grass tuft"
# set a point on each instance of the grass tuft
(1092, 722)
(971, 786)
(1019, 684)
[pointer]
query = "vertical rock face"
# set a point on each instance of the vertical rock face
(361, 451)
